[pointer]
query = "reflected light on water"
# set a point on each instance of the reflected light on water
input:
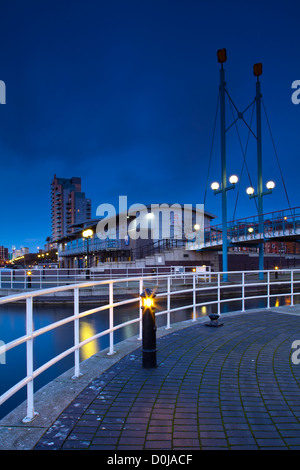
(288, 301)
(203, 311)
(87, 330)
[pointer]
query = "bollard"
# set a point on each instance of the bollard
(28, 278)
(148, 329)
(214, 320)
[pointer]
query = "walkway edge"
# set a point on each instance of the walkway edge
(53, 398)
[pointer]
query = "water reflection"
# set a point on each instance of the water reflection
(87, 330)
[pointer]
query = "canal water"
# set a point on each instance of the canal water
(49, 345)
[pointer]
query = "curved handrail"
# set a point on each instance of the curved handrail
(191, 279)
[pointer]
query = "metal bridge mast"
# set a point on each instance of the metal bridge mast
(257, 69)
(222, 57)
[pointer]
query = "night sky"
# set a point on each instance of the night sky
(123, 94)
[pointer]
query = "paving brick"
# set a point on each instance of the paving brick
(267, 442)
(241, 440)
(214, 442)
(219, 387)
(160, 445)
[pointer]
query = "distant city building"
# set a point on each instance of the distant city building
(3, 254)
(22, 251)
(69, 206)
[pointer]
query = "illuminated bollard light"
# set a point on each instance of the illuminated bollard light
(148, 329)
(28, 273)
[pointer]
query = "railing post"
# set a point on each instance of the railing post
(219, 294)
(292, 288)
(168, 303)
(268, 289)
(141, 287)
(111, 319)
(29, 362)
(194, 297)
(76, 335)
(243, 291)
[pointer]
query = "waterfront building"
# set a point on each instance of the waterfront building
(164, 246)
(74, 251)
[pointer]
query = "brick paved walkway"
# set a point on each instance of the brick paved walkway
(232, 387)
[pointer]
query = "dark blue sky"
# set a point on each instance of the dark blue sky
(123, 94)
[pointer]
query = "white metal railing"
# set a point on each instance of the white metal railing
(39, 278)
(168, 286)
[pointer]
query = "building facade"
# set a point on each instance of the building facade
(69, 206)
(119, 240)
(3, 254)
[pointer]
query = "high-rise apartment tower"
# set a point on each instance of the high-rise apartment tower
(68, 206)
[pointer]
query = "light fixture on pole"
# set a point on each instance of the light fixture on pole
(87, 234)
(215, 186)
(197, 228)
(270, 185)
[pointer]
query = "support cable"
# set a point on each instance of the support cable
(244, 155)
(240, 115)
(282, 178)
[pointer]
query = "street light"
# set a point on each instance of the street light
(197, 228)
(260, 193)
(223, 190)
(251, 191)
(232, 180)
(87, 234)
(270, 185)
(215, 186)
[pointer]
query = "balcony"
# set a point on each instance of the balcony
(78, 247)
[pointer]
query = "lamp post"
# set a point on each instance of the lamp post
(270, 185)
(257, 70)
(197, 228)
(222, 58)
(87, 234)
(215, 186)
